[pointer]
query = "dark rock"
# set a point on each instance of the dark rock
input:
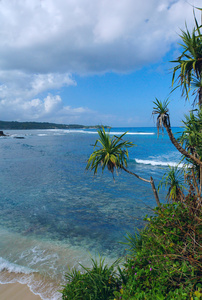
(2, 134)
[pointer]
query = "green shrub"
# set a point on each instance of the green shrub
(165, 259)
(97, 283)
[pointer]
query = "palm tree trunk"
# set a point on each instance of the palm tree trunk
(151, 181)
(179, 147)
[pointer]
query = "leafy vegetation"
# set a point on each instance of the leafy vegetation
(164, 259)
(174, 181)
(189, 63)
(111, 153)
(161, 109)
(99, 282)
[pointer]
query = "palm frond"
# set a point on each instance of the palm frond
(161, 110)
(173, 180)
(189, 63)
(110, 152)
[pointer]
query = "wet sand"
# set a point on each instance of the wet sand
(16, 291)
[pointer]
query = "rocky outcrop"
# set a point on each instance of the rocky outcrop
(2, 134)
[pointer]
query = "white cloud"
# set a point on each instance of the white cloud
(26, 85)
(21, 97)
(50, 108)
(88, 36)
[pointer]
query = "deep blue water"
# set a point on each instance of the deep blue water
(53, 212)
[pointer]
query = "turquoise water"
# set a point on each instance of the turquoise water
(54, 214)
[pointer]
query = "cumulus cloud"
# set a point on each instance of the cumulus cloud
(21, 97)
(50, 108)
(88, 36)
(26, 85)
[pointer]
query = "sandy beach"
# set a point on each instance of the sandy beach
(16, 291)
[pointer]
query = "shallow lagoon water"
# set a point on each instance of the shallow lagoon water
(54, 214)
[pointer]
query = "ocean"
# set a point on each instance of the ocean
(55, 215)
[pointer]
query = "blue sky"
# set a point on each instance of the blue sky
(90, 62)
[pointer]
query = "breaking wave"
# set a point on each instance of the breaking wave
(158, 163)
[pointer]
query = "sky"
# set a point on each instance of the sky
(91, 62)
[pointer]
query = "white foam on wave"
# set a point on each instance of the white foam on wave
(42, 134)
(57, 132)
(158, 163)
(13, 268)
(133, 133)
(12, 273)
(36, 257)
(64, 131)
(67, 131)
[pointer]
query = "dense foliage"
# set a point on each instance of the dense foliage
(166, 257)
(99, 282)
(164, 261)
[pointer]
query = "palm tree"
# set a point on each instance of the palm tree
(191, 140)
(191, 137)
(189, 63)
(113, 154)
(163, 120)
(174, 181)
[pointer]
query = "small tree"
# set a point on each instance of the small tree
(189, 63)
(174, 181)
(163, 120)
(113, 154)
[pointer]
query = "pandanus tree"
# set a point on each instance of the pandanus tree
(191, 139)
(188, 67)
(163, 120)
(174, 180)
(112, 152)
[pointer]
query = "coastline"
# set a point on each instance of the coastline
(17, 291)
(49, 226)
